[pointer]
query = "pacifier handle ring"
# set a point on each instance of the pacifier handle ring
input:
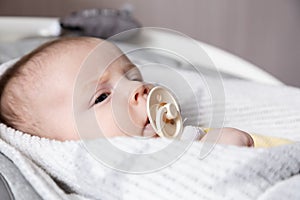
(159, 120)
(167, 109)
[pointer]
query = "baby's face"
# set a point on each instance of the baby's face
(114, 95)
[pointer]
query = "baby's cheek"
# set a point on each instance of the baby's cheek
(137, 118)
(104, 122)
(115, 124)
(106, 127)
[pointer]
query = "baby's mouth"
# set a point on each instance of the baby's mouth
(148, 130)
(147, 123)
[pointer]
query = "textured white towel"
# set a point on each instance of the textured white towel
(252, 107)
(228, 172)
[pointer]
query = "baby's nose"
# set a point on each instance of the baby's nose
(141, 91)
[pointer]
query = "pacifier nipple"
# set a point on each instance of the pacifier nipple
(163, 112)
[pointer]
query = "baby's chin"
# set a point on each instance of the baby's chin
(146, 132)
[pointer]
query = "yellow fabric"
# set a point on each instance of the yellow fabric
(206, 130)
(262, 141)
(268, 141)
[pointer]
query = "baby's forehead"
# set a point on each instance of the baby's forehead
(65, 60)
(123, 62)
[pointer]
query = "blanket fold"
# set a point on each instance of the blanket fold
(228, 172)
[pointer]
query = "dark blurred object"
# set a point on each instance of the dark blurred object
(102, 23)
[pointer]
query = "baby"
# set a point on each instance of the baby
(37, 94)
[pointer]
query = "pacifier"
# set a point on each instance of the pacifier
(164, 113)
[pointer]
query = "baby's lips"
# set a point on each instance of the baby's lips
(148, 130)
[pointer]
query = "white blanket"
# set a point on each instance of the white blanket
(228, 172)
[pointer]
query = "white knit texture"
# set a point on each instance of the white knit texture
(228, 172)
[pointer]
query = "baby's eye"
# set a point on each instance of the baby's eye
(102, 97)
(134, 75)
(136, 79)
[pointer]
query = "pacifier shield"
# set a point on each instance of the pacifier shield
(164, 113)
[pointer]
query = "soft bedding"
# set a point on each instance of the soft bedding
(228, 172)
(65, 170)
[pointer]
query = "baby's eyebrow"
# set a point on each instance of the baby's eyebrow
(125, 67)
(104, 77)
(128, 66)
(96, 81)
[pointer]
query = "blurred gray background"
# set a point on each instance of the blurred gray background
(264, 32)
